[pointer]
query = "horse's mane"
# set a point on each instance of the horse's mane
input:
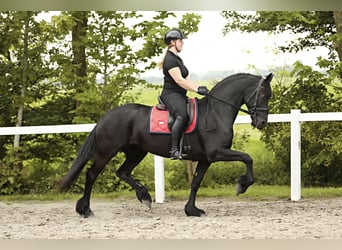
(231, 78)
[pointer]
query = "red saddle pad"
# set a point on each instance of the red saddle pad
(159, 120)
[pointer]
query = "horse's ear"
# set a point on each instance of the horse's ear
(269, 78)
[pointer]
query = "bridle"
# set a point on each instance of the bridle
(252, 111)
(254, 108)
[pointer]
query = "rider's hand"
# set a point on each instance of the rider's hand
(202, 90)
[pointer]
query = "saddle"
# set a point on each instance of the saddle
(161, 120)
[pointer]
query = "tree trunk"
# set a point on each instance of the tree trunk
(79, 31)
(24, 60)
(338, 22)
(24, 77)
(20, 116)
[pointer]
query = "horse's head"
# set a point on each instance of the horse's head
(257, 102)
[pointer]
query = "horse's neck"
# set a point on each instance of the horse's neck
(226, 112)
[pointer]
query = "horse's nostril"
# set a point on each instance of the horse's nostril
(261, 124)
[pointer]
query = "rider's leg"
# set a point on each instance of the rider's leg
(176, 104)
(176, 133)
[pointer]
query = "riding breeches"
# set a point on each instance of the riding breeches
(176, 104)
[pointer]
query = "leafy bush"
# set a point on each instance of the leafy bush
(11, 180)
(311, 91)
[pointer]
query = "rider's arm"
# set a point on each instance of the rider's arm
(185, 83)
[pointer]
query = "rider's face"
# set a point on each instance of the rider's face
(178, 44)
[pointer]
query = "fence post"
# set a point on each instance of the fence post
(295, 155)
(159, 179)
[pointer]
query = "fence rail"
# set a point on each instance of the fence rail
(295, 118)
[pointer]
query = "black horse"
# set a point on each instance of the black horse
(125, 129)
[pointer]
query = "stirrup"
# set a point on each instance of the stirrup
(177, 154)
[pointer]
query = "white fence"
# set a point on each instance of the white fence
(295, 118)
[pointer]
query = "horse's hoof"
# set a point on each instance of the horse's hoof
(147, 203)
(243, 184)
(85, 213)
(238, 189)
(194, 211)
(89, 213)
(83, 209)
(144, 197)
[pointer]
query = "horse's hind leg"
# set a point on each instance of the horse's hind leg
(83, 204)
(134, 156)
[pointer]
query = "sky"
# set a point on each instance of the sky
(209, 50)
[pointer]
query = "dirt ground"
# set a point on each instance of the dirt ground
(129, 219)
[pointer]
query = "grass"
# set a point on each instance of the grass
(259, 192)
(255, 193)
(147, 97)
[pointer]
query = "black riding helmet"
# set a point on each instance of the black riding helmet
(173, 34)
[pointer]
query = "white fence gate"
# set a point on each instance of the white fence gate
(295, 118)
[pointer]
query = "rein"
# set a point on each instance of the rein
(230, 104)
(249, 111)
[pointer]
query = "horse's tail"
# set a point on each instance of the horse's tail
(85, 154)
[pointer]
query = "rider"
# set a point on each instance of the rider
(176, 84)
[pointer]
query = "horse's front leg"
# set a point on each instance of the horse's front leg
(245, 180)
(190, 207)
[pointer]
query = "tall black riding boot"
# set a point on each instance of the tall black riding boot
(176, 133)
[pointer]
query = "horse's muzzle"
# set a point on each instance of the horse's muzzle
(259, 123)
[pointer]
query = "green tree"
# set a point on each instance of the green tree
(26, 70)
(6, 107)
(24, 62)
(310, 91)
(318, 28)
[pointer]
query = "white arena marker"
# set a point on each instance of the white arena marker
(159, 179)
(295, 155)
